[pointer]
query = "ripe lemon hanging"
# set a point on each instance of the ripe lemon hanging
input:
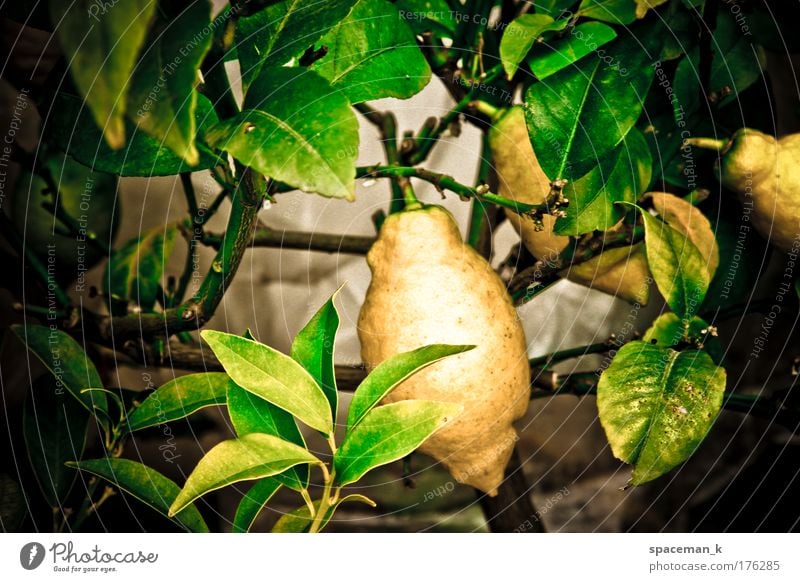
(429, 287)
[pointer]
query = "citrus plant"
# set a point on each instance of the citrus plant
(615, 136)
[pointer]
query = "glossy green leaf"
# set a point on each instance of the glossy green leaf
(656, 406)
(388, 433)
(54, 425)
(179, 398)
(253, 456)
(253, 502)
(559, 53)
(251, 414)
(373, 54)
(669, 330)
(612, 11)
(679, 269)
(148, 486)
(101, 43)
(297, 129)
(67, 362)
(580, 114)
(519, 36)
(133, 273)
(273, 376)
(392, 372)
(70, 128)
(313, 348)
(282, 31)
(623, 176)
(423, 16)
(162, 97)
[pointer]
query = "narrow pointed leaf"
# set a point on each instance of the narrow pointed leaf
(101, 43)
(253, 502)
(253, 456)
(162, 97)
(313, 348)
(389, 433)
(179, 398)
(273, 376)
(148, 486)
(54, 425)
(69, 364)
(373, 54)
(679, 269)
(251, 414)
(391, 373)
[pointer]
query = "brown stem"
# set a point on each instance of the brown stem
(307, 241)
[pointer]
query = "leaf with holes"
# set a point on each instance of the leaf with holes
(373, 54)
(295, 128)
(284, 30)
(656, 406)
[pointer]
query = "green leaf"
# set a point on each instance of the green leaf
(101, 43)
(253, 456)
(179, 398)
(390, 373)
(297, 129)
(657, 405)
(273, 376)
(299, 520)
(134, 271)
(520, 35)
(282, 31)
(313, 348)
(623, 176)
(13, 504)
(252, 503)
(148, 486)
(669, 331)
(613, 11)
(553, 7)
(373, 54)
(162, 97)
(678, 267)
(142, 155)
(251, 414)
(428, 16)
(389, 433)
(54, 425)
(68, 363)
(560, 53)
(583, 112)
